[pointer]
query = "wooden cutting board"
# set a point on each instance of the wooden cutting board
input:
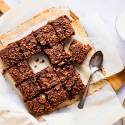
(116, 81)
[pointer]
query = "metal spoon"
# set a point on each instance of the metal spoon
(95, 65)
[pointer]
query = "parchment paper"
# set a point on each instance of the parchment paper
(102, 107)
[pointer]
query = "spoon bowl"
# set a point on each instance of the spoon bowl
(96, 60)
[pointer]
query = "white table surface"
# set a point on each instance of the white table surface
(108, 11)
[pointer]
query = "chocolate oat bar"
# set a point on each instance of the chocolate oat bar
(47, 78)
(56, 54)
(22, 71)
(29, 89)
(11, 55)
(46, 35)
(39, 105)
(78, 51)
(63, 27)
(65, 72)
(74, 86)
(77, 89)
(29, 46)
(57, 95)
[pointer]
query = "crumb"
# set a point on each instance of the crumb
(5, 70)
(37, 60)
(35, 66)
(43, 61)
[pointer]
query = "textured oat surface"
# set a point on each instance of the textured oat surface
(44, 91)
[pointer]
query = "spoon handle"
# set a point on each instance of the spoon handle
(84, 95)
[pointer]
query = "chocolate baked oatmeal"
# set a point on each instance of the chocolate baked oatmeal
(46, 35)
(65, 72)
(39, 106)
(22, 71)
(56, 54)
(63, 27)
(57, 95)
(77, 89)
(29, 46)
(78, 51)
(74, 86)
(29, 89)
(50, 88)
(11, 55)
(47, 78)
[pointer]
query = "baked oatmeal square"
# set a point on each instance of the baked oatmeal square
(29, 89)
(57, 95)
(21, 72)
(78, 51)
(46, 35)
(47, 78)
(29, 46)
(77, 89)
(74, 86)
(68, 83)
(59, 29)
(63, 27)
(65, 72)
(56, 54)
(11, 55)
(39, 105)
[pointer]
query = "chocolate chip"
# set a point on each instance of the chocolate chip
(42, 61)
(37, 60)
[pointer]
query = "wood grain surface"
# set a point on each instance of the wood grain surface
(116, 81)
